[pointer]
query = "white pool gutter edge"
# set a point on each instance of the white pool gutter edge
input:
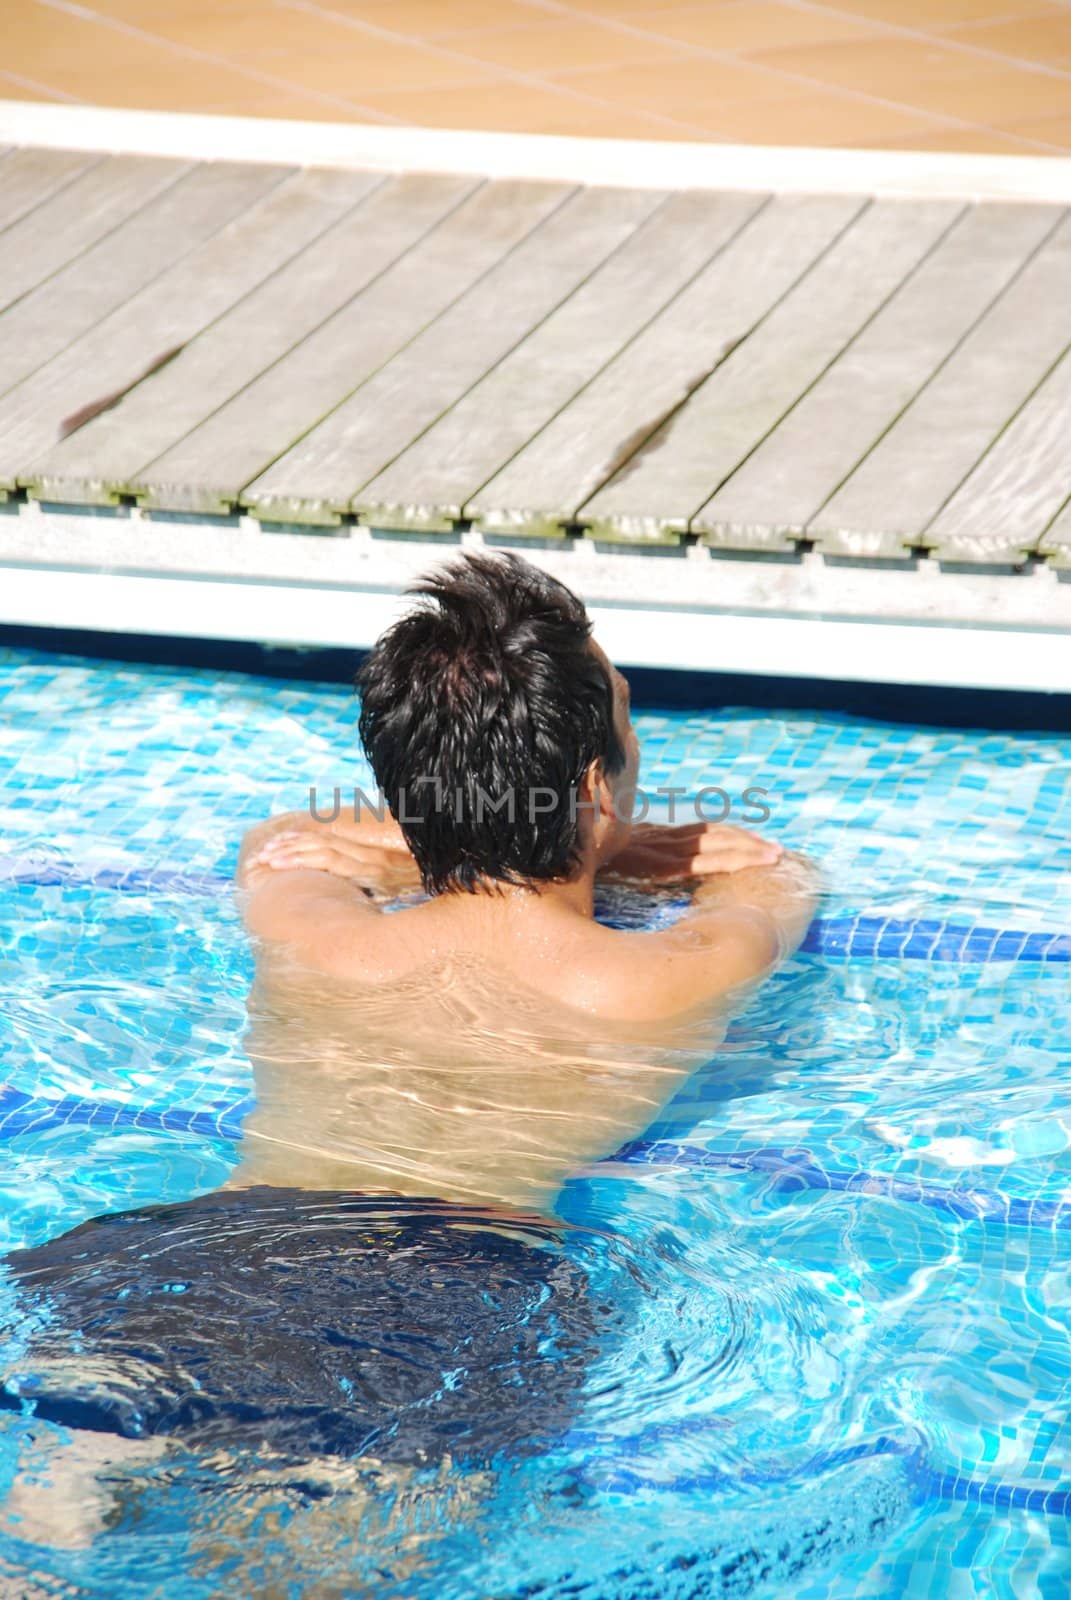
(942, 655)
(617, 163)
(696, 613)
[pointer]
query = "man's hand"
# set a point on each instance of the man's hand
(362, 850)
(382, 867)
(310, 885)
(693, 850)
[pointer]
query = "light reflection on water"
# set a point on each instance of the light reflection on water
(754, 1328)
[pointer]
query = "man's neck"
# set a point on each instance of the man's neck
(575, 894)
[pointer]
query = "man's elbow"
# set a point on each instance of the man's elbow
(249, 872)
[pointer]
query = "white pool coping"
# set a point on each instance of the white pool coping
(697, 612)
(618, 163)
(943, 655)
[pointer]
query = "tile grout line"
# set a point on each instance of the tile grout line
(531, 80)
(617, 25)
(1027, 146)
(899, 30)
(85, 14)
(835, 93)
(39, 88)
(687, 49)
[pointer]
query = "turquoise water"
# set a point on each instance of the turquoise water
(839, 1262)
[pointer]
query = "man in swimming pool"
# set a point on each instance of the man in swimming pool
(485, 1043)
(425, 1080)
(492, 693)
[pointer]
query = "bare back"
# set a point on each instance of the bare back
(452, 1081)
(480, 1047)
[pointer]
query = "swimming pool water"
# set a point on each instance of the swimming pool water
(840, 1258)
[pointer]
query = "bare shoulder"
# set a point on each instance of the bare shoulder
(316, 893)
(332, 927)
(656, 977)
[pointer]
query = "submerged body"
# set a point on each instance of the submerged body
(451, 1084)
(394, 1197)
(307, 1325)
(425, 1124)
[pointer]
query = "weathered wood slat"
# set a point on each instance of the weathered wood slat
(209, 469)
(29, 177)
(1001, 511)
(546, 483)
(60, 229)
(321, 475)
(54, 314)
(430, 484)
(1056, 541)
(798, 467)
(255, 268)
(765, 376)
(897, 491)
(476, 333)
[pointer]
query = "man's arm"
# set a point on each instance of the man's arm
(305, 881)
(777, 901)
(657, 852)
(363, 848)
(740, 926)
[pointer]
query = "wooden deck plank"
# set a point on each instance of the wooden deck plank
(321, 476)
(766, 375)
(289, 250)
(419, 349)
(109, 455)
(53, 315)
(430, 484)
(30, 177)
(438, 248)
(999, 514)
(407, 395)
(900, 487)
(1055, 543)
(800, 465)
(546, 483)
(60, 229)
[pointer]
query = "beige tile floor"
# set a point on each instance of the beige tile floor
(984, 75)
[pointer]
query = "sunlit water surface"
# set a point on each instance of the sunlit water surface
(832, 1356)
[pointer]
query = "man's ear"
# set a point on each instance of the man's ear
(595, 791)
(593, 794)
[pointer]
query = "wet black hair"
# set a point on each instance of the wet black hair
(488, 688)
